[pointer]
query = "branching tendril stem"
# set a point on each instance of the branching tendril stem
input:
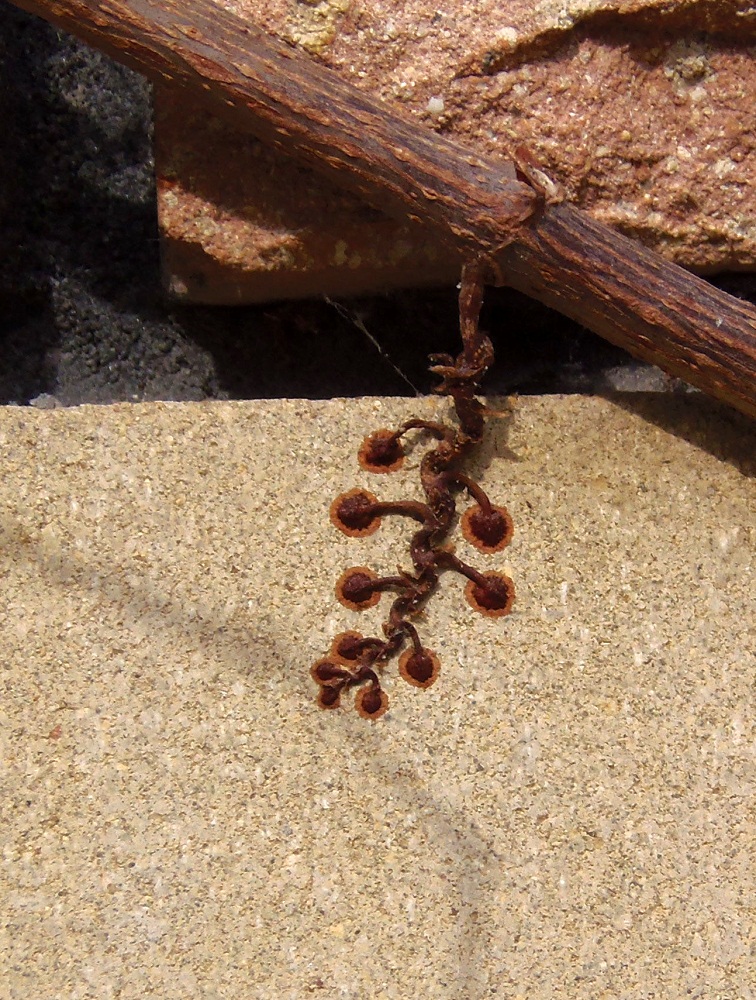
(353, 658)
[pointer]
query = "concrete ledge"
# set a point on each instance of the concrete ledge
(566, 813)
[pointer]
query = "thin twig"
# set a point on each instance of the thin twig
(352, 317)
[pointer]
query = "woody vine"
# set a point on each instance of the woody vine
(355, 660)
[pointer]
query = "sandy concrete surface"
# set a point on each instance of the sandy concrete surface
(568, 812)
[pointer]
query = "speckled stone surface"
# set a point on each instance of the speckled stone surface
(636, 107)
(568, 812)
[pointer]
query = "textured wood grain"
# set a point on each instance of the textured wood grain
(634, 298)
(289, 100)
(613, 286)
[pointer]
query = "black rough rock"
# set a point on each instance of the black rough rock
(84, 318)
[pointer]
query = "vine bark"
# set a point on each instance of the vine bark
(506, 217)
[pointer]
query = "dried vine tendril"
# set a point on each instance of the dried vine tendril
(353, 659)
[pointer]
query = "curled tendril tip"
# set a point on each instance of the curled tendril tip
(354, 660)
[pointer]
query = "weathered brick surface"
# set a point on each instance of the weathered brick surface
(640, 109)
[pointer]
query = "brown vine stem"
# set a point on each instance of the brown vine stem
(508, 217)
(355, 660)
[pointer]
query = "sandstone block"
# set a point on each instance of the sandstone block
(640, 108)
